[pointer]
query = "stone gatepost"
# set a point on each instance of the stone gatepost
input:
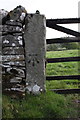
(35, 42)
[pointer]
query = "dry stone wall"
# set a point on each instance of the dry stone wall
(13, 59)
(22, 37)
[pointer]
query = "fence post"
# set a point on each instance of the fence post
(35, 42)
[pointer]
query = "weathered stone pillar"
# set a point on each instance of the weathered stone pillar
(35, 41)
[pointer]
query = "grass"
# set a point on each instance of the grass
(49, 104)
(65, 53)
(0, 100)
(63, 68)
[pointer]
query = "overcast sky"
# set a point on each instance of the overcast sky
(50, 8)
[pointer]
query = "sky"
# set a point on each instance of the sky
(50, 8)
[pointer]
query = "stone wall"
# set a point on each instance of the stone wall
(23, 51)
(13, 58)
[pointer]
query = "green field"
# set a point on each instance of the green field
(62, 68)
(49, 104)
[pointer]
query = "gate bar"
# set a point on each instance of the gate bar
(63, 21)
(65, 59)
(63, 29)
(66, 91)
(63, 40)
(63, 77)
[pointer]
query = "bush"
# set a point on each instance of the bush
(62, 46)
(54, 47)
(69, 46)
